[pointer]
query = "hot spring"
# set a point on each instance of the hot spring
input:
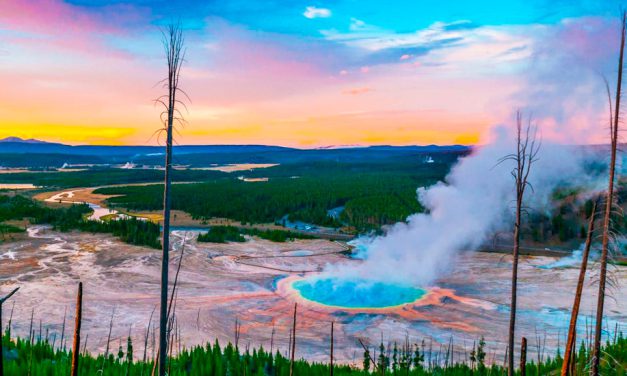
(356, 294)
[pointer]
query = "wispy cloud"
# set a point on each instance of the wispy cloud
(315, 12)
(373, 38)
(439, 44)
(564, 87)
(54, 23)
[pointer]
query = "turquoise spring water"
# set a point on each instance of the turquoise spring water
(356, 294)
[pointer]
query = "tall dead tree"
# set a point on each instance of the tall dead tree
(63, 328)
(2, 300)
(572, 329)
(76, 346)
(526, 154)
(173, 45)
(331, 353)
(293, 342)
(238, 331)
(146, 341)
(523, 357)
(272, 340)
(174, 285)
(609, 201)
(106, 353)
(30, 327)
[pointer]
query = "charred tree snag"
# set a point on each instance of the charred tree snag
(572, 329)
(76, 346)
(609, 200)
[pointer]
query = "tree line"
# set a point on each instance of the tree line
(130, 230)
(371, 200)
(223, 234)
(42, 354)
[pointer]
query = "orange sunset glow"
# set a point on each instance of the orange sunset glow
(89, 74)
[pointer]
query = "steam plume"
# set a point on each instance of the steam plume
(473, 202)
(564, 92)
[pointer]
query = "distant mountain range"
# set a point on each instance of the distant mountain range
(12, 150)
(28, 141)
(19, 145)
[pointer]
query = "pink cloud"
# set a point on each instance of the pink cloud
(53, 23)
(57, 17)
(564, 87)
(257, 53)
(251, 66)
(590, 40)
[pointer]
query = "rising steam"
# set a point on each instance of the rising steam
(477, 197)
(475, 200)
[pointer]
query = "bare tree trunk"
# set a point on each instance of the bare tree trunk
(173, 43)
(293, 342)
(523, 357)
(106, 353)
(331, 360)
(9, 328)
(238, 327)
(30, 327)
(594, 369)
(174, 292)
(76, 346)
(2, 300)
(85, 344)
(163, 321)
(30, 356)
(63, 328)
(572, 329)
(198, 321)
(146, 341)
(512, 313)
(526, 153)
(272, 340)
(573, 359)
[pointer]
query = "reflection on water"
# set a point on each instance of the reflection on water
(67, 197)
(237, 167)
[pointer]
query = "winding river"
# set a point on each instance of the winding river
(67, 197)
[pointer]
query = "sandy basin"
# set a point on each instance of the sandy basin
(251, 281)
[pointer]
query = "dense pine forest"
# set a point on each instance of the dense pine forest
(368, 201)
(44, 356)
(369, 194)
(74, 217)
(371, 201)
(372, 194)
(96, 176)
(223, 234)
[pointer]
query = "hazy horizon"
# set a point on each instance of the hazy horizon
(45, 141)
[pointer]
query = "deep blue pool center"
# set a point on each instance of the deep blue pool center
(356, 293)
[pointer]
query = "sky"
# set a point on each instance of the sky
(308, 73)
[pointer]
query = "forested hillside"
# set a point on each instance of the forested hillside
(370, 200)
(74, 217)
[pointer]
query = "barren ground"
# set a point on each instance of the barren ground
(250, 281)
